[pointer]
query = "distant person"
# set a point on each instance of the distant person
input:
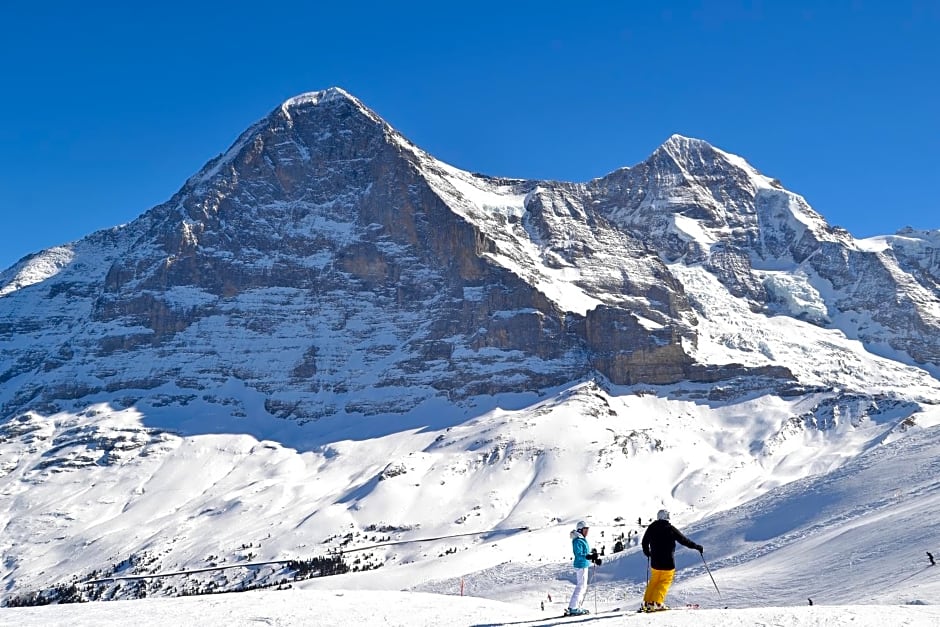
(583, 556)
(930, 557)
(659, 545)
(810, 601)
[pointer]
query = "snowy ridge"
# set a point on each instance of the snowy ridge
(35, 269)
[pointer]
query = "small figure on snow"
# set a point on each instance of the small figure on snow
(659, 545)
(930, 557)
(582, 561)
(810, 601)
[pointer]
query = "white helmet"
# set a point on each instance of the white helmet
(662, 514)
(582, 525)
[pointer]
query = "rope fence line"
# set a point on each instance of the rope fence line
(457, 535)
(339, 551)
(186, 572)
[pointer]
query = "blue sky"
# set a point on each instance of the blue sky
(107, 108)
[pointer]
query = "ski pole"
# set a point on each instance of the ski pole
(702, 554)
(595, 588)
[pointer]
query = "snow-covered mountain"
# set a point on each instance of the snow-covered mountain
(329, 337)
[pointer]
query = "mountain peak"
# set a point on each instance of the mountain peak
(693, 154)
(327, 102)
(328, 96)
(681, 142)
(331, 94)
(684, 149)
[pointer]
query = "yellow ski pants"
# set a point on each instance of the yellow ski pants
(658, 586)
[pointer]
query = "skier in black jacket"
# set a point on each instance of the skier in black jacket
(659, 545)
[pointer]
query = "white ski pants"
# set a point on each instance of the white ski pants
(580, 587)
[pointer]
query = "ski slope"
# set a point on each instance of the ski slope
(853, 540)
(409, 609)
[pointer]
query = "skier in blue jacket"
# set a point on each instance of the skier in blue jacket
(583, 556)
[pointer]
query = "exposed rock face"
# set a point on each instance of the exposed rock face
(324, 257)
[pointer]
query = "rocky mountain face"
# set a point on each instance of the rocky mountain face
(324, 255)
(746, 225)
(326, 270)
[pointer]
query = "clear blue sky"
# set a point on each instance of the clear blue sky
(107, 108)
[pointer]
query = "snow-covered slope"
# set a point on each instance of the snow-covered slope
(330, 338)
(401, 609)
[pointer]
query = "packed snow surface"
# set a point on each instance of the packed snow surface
(392, 609)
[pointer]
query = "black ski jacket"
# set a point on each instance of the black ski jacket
(659, 544)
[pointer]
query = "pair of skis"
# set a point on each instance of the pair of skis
(688, 606)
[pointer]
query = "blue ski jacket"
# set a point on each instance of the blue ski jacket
(580, 548)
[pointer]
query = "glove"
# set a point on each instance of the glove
(598, 561)
(699, 548)
(592, 555)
